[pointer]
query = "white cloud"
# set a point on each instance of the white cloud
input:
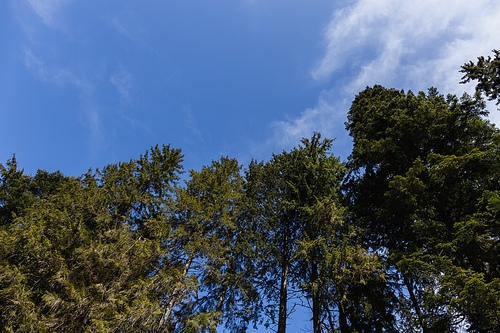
(65, 77)
(34, 63)
(409, 43)
(126, 24)
(47, 9)
(402, 44)
(59, 76)
(327, 117)
(122, 80)
(192, 124)
(93, 122)
(297, 128)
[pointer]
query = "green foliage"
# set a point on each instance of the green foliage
(424, 177)
(75, 259)
(405, 236)
(452, 296)
(487, 74)
(308, 247)
(14, 192)
(208, 260)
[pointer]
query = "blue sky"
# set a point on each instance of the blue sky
(88, 83)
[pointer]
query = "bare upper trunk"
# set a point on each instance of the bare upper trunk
(284, 285)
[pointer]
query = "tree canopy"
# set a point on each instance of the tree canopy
(404, 236)
(487, 74)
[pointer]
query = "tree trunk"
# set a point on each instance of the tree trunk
(331, 320)
(225, 286)
(284, 286)
(415, 305)
(315, 298)
(218, 308)
(344, 326)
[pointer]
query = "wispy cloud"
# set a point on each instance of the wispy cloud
(327, 117)
(54, 74)
(93, 122)
(410, 43)
(403, 44)
(65, 77)
(125, 23)
(37, 65)
(192, 124)
(122, 80)
(290, 129)
(47, 9)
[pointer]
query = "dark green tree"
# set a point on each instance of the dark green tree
(487, 74)
(421, 165)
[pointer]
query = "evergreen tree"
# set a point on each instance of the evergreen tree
(306, 240)
(487, 74)
(15, 194)
(77, 258)
(421, 166)
(214, 283)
